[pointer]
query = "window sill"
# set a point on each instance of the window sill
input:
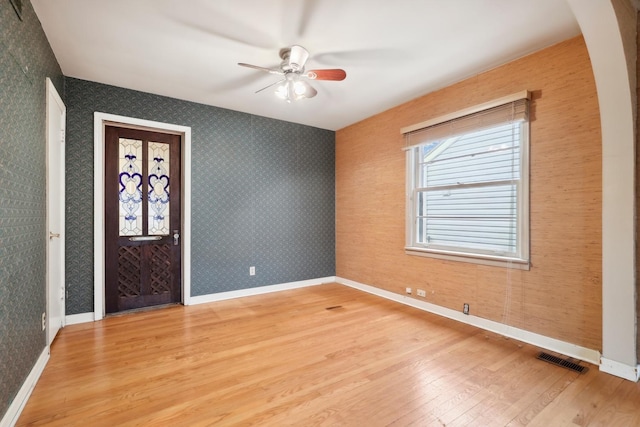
(496, 261)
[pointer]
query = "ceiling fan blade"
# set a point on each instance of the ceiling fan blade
(227, 27)
(365, 57)
(256, 67)
(238, 82)
(336, 74)
(271, 85)
(308, 9)
(298, 57)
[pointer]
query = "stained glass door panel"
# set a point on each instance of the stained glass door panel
(159, 194)
(130, 186)
(142, 227)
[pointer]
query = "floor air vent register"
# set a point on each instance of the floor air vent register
(565, 363)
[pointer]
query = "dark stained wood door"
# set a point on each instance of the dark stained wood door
(142, 214)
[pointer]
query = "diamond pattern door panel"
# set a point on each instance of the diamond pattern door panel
(160, 269)
(129, 271)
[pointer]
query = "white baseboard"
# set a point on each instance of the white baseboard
(202, 299)
(10, 418)
(552, 344)
(74, 319)
(631, 373)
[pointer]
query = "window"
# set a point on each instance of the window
(467, 182)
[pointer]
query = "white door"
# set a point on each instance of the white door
(56, 113)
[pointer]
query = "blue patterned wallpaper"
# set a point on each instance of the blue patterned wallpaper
(263, 192)
(26, 60)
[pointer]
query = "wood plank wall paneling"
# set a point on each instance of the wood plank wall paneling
(561, 295)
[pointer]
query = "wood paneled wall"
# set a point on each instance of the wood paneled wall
(561, 295)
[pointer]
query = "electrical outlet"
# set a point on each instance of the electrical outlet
(422, 293)
(252, 271)
(44, 321)
(408, 290)
(465, 308)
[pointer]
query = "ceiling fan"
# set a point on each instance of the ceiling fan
(294, 85)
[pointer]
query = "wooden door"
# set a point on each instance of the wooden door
(142, 214)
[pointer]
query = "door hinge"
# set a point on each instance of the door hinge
(62, 135)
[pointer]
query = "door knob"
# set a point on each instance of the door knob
(176, 237)
(52, 235)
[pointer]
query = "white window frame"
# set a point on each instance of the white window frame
(521, 259)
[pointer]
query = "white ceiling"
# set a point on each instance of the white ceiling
(392, 51)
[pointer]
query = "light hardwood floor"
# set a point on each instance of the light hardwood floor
(285, 359)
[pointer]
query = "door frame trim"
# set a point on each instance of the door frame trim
(100, 120)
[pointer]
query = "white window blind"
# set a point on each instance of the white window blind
(469, 184)
(513, 111)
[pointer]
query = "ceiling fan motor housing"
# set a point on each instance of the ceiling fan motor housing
(290, 66)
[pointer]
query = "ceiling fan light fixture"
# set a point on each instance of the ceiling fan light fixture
(299, 88)
(292, 89)
(282, 91)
